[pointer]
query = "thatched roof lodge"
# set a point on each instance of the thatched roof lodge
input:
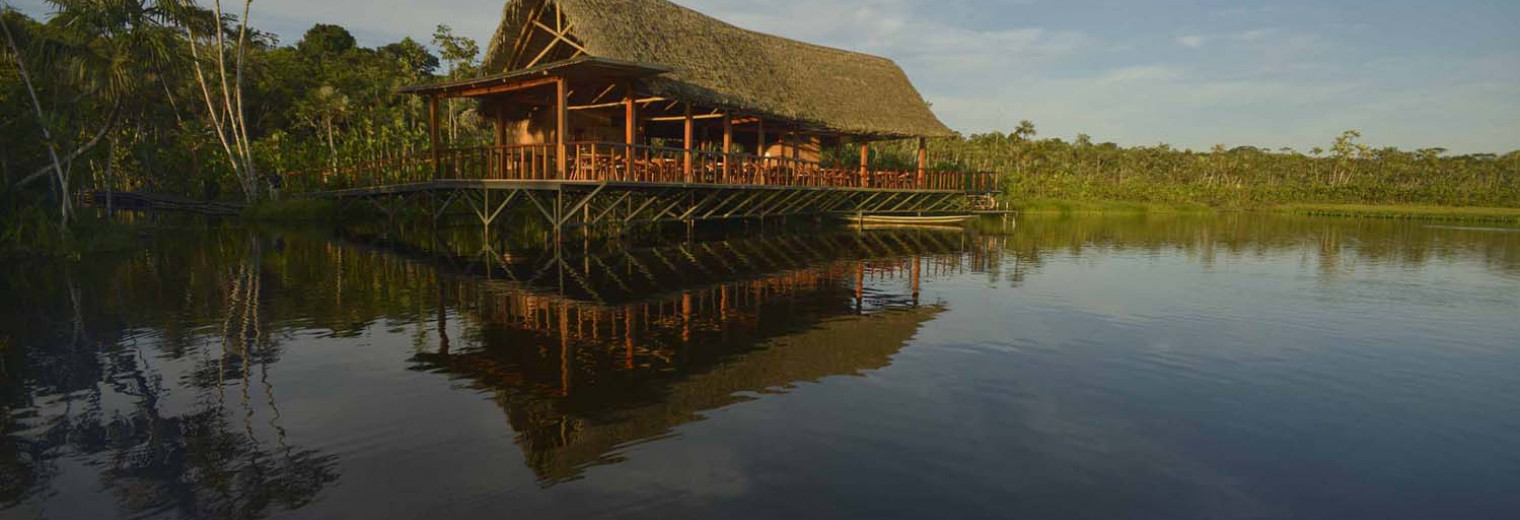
(593, 81)
(715, 64)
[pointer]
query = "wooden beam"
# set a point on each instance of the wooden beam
(560, 35)
(561, 126)
(524, 37)
(683, 118)
(611, 104)
(605, 91)
(687, 142)
(495, 89)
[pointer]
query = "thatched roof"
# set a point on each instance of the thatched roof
(717, 64)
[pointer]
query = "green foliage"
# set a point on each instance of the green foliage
(121, 100)
(1240, 177)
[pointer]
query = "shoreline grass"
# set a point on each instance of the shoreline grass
(1114, 207)
(1405, 211)
(1380, 211)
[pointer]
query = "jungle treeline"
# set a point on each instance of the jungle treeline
(175, 97)
(1345, 171)
(171, 97)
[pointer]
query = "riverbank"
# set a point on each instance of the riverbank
(1389, 211)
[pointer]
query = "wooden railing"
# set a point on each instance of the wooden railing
(604, 161)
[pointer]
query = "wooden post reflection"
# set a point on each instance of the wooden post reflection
(564, 349)
(685, 316)
(628, 337)
(917, 269)
(860, 285)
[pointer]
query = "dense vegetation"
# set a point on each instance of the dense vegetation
(143, 95)
(167, 96)
(1348, 172)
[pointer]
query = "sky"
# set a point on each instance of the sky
(1189, 73)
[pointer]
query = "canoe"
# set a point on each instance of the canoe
(938, 220)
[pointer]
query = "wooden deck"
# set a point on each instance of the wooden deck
(618, 184)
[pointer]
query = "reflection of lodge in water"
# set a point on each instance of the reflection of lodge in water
(580, 378)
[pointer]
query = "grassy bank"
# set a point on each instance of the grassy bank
(1404, 211)
(1385, 211)
(1115, 207)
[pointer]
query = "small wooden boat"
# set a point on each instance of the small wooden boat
(913, 220)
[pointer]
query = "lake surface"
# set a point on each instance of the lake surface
(1242, 366)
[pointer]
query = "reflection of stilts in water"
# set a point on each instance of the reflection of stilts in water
(443, 323)
(917, 271)
(685, 317)
(628, 338)
(860, 285)
(564, 348)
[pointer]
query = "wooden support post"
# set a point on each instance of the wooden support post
(630, 128)
(561, 126)
(728, 143)
(923, 157)
(501, 141)
(433, 135)
(865, 161)
(686, 143)
(760, 151)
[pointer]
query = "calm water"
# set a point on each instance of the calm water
(1184, 367)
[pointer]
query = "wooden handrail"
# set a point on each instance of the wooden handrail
(613, 161)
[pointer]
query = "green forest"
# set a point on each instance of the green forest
(178, 98)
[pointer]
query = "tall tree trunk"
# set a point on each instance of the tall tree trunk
(332, 147)
(227, 120)
(64, 204)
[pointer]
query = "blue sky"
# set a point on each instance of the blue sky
(1190, 73)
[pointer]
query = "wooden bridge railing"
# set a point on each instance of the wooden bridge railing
(604, 161)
